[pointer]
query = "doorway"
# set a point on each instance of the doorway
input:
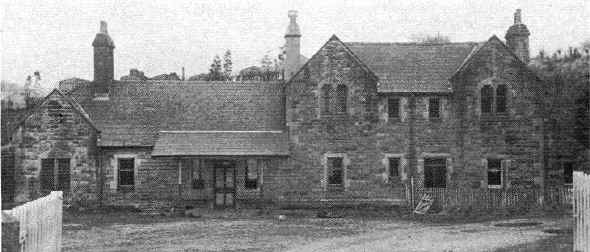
(224, 175)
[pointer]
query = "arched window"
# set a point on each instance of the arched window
(501, 99)
(326, 90)
(487, 99)
(341, 97)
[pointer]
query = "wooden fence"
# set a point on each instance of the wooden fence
(40, 223)
(581, 212)
(491, 198)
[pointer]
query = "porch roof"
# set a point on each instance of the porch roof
(221, 143)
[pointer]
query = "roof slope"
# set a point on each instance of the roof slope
(413, 67)
(137, 110)
(185, 143)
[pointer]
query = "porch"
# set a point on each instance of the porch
(222, 168)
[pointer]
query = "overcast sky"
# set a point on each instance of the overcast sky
(157, 37)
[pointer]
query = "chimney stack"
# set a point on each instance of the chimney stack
(517, 38)
(292, 46)
(103, 60)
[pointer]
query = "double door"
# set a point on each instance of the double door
(224, 173)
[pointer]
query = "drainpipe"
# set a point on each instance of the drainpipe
(179, 179)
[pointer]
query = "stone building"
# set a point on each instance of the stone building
(353, 124)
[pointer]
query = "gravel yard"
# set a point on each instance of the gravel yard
(126, 231)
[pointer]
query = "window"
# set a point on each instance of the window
(126, 174)
(568, 172)
(495, 173)
(393, 167)
(196, 173)
(55, 174)
(435, 172)
(501, 99)
(434, 108)
(251, 178)
(393, 108)
(326, 90)
(335, 173)
(487, 99)
(341, 97)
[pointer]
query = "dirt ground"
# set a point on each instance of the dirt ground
(126, 231)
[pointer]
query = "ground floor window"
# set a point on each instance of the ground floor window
(335, 173)
(435, 172)
(254, 169)
(55, 174)
(126, 174)
(495, 172)
(196, 173)
(251, 181)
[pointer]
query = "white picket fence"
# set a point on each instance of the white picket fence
(40, 223)
(581, 212)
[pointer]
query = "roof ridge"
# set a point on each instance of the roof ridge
(197, 82)
(409, 43)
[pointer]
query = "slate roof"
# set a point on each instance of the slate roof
(210, 143)
(137, 110)
(413, 67)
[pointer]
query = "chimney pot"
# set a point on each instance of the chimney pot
(517, 17)
(292, 15)
(103, 27)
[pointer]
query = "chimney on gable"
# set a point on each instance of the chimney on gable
(292, 46)
(517, 38)
(103, 60)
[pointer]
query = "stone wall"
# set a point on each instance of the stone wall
(366, 137)
(516, 135)
(156, 178)
(315, 135)
(55, 130)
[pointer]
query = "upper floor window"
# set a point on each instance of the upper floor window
(501, 98)
(335, 173)
(326, 91)
(434, 108)
(341, 97)
(393, 108)
(487, 99)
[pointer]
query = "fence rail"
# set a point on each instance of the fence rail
(40, 223)
(581, 212)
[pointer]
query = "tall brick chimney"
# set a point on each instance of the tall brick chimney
(292, 46)
(103, 60)
(517, 38)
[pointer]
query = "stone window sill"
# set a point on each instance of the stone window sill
(125, 188)
(335, 188)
